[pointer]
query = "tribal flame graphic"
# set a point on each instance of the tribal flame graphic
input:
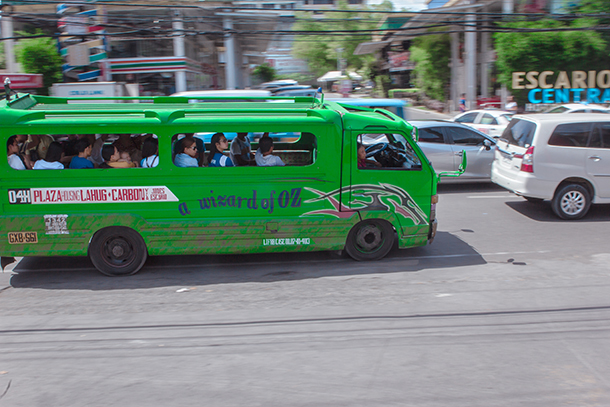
(371, 199)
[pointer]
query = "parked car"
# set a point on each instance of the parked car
(443, 143)
(276, 84)
(395, 106)
(578, 108)
(203, 95)
(289, 87)
(562, 158)
(490, 122)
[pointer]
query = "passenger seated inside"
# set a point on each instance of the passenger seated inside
(198, 142)
(150, 153)
(110, 154)
(52, 160)
(187, 154)
(264, 155)
(12, 148)
(123, 161)
(131, 145)
(363, 162)
(83, 149)
(241, 151)
(217, 158)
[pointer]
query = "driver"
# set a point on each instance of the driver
(363, 163)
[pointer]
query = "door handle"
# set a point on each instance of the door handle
(458, 153)
(595, 158)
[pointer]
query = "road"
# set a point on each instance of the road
(508, 307)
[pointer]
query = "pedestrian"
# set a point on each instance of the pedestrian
(511, 105)
(463, 103)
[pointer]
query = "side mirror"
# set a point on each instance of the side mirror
(457, 173)
(487, 144)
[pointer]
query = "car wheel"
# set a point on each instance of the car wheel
(571, 202)
(533, 200)
(118, 251)
(370, 239)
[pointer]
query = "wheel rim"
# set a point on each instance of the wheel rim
(118, 251)
(369, 239)
(573, 202)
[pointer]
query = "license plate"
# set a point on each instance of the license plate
(22, 237)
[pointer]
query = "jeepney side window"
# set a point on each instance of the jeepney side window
(386, 151)
(57, 151)
(242, 149)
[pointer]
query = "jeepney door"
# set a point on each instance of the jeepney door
(393, 181)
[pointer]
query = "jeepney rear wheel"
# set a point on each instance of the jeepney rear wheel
(370, 239)
(117, 251)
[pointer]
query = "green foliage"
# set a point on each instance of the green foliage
(321, 50)
(431, 55)
(2, 56)
(548, 51)
(39, 55)
(264, 72)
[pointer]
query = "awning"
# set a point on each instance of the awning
(369, 47)
(336, 75)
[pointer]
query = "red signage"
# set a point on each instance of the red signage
(23, 80)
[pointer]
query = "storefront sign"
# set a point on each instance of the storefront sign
(400, 61)
(551, 87)
(23, 80)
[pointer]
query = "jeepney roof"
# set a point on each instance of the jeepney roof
(172, 107)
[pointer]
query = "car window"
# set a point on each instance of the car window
(578, 111)
(559, 109)
(570, 135)
(467, 118)
(505, 118)
(431, 135)
(488, 119)
(519, 132)
(465, 136)
(600, 136)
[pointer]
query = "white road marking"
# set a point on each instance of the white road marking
(490, 196)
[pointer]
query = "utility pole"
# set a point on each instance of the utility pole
(9, 52)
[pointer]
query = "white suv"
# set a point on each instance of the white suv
(563, 158)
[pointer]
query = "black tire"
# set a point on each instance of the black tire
(370, 240)
(571, 202)
(117, 251)
(533, 200)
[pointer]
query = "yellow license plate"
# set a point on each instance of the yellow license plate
(22, 237)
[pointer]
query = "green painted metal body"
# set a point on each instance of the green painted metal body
(215, 210)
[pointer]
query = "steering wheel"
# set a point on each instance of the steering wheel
(375, 149)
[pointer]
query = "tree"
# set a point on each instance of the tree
(548, 51)
(264, 72)
(40, 56)
(322, 51)
(431, 54)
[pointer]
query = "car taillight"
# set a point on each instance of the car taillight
(434, 201)
(527, 165)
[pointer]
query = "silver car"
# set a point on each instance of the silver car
(443, 143)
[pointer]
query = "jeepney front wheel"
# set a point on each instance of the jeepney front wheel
(370, 239)
(117, 251)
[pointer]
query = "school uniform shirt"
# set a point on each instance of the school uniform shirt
(45, 165)
(80, 163)
(185, 160)
(221, 160)
(150, 162)
(268, 161)
(236, 146)
(15, 162)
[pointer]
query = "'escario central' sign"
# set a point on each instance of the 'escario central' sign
(550, 87)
